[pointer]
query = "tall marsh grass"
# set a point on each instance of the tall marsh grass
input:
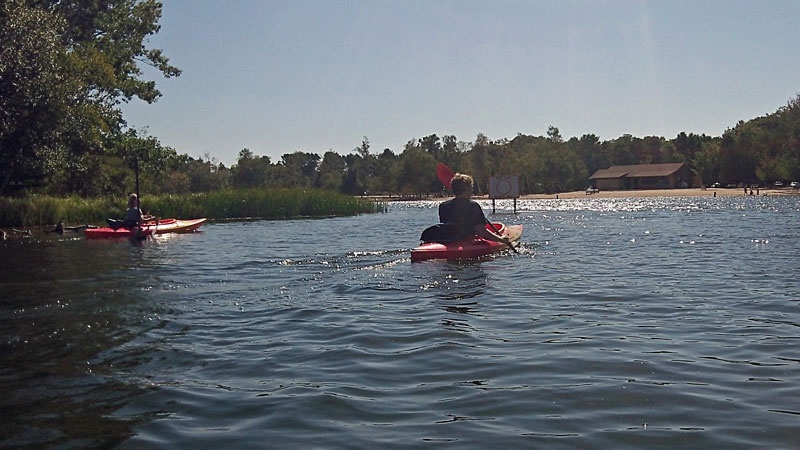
(43, 210)
(227, 204)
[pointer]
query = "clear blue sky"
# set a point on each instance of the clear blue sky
(283, 76)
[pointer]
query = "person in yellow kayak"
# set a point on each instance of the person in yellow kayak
(461, 216)
(134, 216)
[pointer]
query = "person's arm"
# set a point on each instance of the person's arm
(480, 228)
(143, 218)
(489, 235)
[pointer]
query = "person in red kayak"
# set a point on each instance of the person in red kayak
(134, 216)
(464, 216)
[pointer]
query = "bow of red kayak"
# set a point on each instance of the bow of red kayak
(467, 248)
(122, 232)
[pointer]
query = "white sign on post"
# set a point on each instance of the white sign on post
(504, 186)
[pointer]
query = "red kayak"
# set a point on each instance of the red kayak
(470, 247)
(122, 232)
(150, 228)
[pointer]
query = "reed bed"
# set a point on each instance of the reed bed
(35, 210)
(39, 210)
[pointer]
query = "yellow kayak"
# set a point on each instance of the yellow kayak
(177, 225)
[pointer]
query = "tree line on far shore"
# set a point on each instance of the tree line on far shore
(759, 151)
(66, 65)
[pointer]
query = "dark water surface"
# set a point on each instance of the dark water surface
(635, 323)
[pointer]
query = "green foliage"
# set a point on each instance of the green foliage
(107, 39)
(35, 92)
(383, 180)
(65, 67)
(299, 169)
(330, 171)
(251, 171)
(762, 150)
(200, 175)
(765, 149)
(705, 162)
(415, 171)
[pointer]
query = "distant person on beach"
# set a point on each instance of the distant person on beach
(134, 216)
(463, 215)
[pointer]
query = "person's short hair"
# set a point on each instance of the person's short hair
(133, 200)
(461, 184)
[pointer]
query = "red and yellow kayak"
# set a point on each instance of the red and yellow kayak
(148, 229)
(469, 247)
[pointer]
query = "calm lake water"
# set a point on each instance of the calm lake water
(622, 323)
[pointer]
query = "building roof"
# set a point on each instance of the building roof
(638, 171)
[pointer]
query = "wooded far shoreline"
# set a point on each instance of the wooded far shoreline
(758, 153)
(69, 65)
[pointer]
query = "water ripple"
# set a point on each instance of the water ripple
(643, 323)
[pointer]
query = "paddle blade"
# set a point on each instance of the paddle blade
(445, 174)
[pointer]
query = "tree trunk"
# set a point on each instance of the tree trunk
(6, 179)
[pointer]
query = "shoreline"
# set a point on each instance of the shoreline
(687, 192)
(644, 193)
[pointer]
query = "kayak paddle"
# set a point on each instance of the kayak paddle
(139, 233)
(445, 176)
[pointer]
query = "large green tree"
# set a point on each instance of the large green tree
(299, 169)
(384, 180)
(65, 68)
(415, 171)
(252, 171)
(34, 93)
(705, 162)
(331, 171)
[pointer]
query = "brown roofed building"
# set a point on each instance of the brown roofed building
(643, 176)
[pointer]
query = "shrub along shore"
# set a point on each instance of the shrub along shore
(40, 210)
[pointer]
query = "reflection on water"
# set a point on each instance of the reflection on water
(66, 303)
(457, 285)
(621, 324)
